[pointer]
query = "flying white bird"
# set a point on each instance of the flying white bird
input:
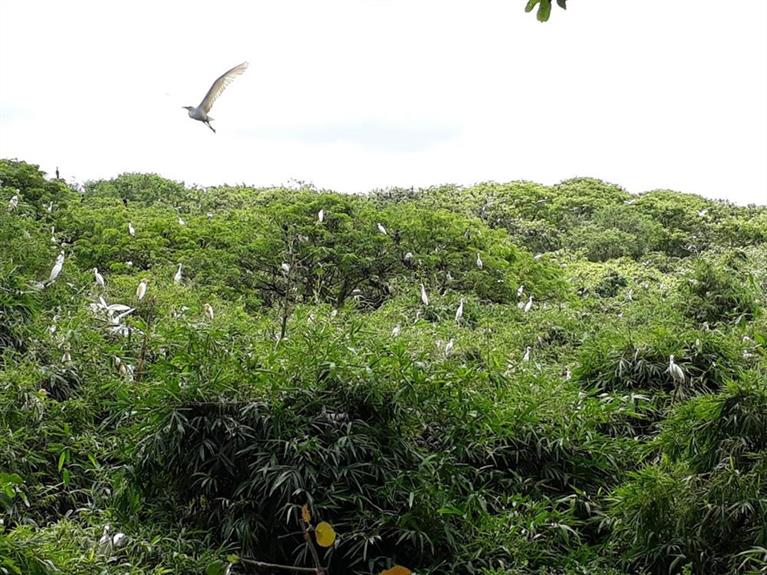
(480, 265)
(99, 277)
(14, 203)
(131, 229)
(526, 357)
(200, 113)
(459, 312)
(321, 216)
(208, 311)
(381, 228)
(141, 289)
(396, 330)
(424, 297)
(56, 268)
(178, 277)
(675, 371)
(115, 321)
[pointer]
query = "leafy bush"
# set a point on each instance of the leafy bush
(715, 294)
(705, 504)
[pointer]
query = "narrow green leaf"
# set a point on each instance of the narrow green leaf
(62, 459)
(544, 10)
(530, 5)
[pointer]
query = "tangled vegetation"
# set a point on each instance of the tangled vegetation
(502, 379)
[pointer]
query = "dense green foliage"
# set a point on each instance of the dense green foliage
(294, 362)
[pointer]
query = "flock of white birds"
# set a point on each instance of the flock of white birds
(115, 313)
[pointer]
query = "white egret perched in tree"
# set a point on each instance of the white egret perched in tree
(480, 265)
(125, 369)
(200, 113)
(49, 207)
(178, 277)
(99, 277)
(321, 216)
(105, 542)
(14, 203)
(408, 257)
(526, 357)
(449, 346)
(676, 372)
(520, 290)
(424, 297)
(181, 221)
(459, 312)
(382, 229)
(208, 311)
(131, 229)
(396, 330)
(285, 266)
(53, 234)
(529, 305)
(56, 270)
(141, 289)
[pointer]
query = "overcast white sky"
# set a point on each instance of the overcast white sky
(358, 94)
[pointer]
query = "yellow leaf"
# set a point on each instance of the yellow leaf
(325, 534)
(397, 570)
(305, 514)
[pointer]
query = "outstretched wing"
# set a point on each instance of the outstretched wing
(219, 85)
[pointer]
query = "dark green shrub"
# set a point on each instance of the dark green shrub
(717, 293)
